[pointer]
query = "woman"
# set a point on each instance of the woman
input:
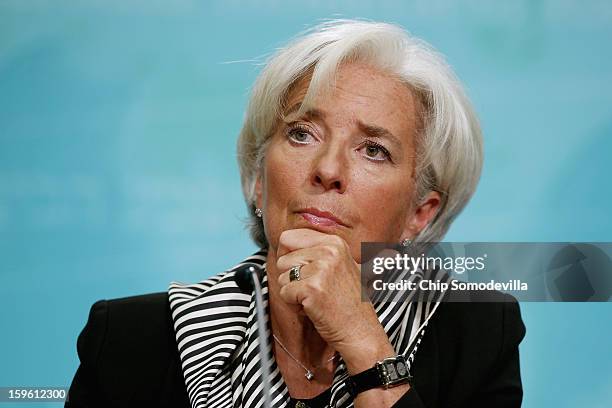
(355, 132)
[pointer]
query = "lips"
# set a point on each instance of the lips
(319, 217)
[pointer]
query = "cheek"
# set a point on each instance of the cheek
(283, 183)
(283, 179)
(384, 207)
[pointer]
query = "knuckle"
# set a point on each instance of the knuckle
(282, 237)
(339, 242)
(315, 286)
(321, 264)
(332, 250)
(307, 303)
(281, 262)
(285, 294)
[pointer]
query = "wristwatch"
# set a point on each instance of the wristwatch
(386, 373)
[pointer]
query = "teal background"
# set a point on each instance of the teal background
(118, 122)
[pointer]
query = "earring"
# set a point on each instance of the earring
(258, 212)
(406, 242)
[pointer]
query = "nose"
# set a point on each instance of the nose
(330, 169)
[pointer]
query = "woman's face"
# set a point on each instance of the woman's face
(346, 166)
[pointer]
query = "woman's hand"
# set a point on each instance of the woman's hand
(329, 291)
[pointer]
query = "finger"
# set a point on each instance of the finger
(300, 292)
(299, 257)
(284, 278)
(288, 294)
(293, 293)
(291, 240)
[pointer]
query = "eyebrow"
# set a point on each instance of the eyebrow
(378, 132)
(371, 130)
(310, 113)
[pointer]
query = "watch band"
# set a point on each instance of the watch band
(386, 373)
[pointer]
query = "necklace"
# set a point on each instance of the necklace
(309, 373)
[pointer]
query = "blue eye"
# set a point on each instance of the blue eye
(376, 152)
(299, 134)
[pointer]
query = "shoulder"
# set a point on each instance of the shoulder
(481, 310)
(137, 316)
(128, 338)
(127, 354)
(127, 328)
(479, 333)
(129, 314)
(134, 303)
(482, 321)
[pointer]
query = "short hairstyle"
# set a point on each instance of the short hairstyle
(449, 141)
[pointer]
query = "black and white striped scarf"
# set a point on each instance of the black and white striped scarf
(216, 333)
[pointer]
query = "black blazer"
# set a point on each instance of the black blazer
(469, 356)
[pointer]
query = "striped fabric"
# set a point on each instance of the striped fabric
(216, 333)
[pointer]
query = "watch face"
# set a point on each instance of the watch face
(401, 368)
(391, 373)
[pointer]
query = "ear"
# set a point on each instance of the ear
(423, 214)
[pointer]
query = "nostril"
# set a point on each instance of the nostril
(335, 184)
(328, 180)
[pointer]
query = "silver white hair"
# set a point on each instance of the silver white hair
(449, 143)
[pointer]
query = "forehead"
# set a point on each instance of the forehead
(358, 92)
